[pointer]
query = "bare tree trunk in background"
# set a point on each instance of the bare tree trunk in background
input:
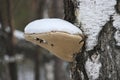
(37, 13)
(55, 10)
(59, 71)
(11, 43)
(4, 71)
(38, 52)
(34, 8)
(106, 51)
(40, 9)
(37, 63)
(8, 23)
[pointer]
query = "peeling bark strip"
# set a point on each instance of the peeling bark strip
(100, 22)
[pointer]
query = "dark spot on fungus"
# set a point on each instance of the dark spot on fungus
(52, 45)
(41, 41)
(37, 39)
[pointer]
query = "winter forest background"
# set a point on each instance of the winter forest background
(22, 60)
(99, 58)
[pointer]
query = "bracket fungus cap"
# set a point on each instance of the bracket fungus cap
(60, 37)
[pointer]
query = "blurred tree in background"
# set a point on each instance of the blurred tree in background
(22, 60)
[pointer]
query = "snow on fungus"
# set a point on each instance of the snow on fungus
(48, 25)
(60, 37)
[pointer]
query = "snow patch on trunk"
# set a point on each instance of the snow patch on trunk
(92, 15)
(92, 67)
(7, 29)
(19, 34)
(116, 24)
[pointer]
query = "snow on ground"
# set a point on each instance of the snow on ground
(19, 34)
(26, 70)
(93, 15)
(53, 24)
(116, 24)
(8, 59)
(50, 70)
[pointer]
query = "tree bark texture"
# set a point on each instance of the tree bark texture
(8, 38)
(106, 48)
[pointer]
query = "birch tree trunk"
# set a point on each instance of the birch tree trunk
(100, 23)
